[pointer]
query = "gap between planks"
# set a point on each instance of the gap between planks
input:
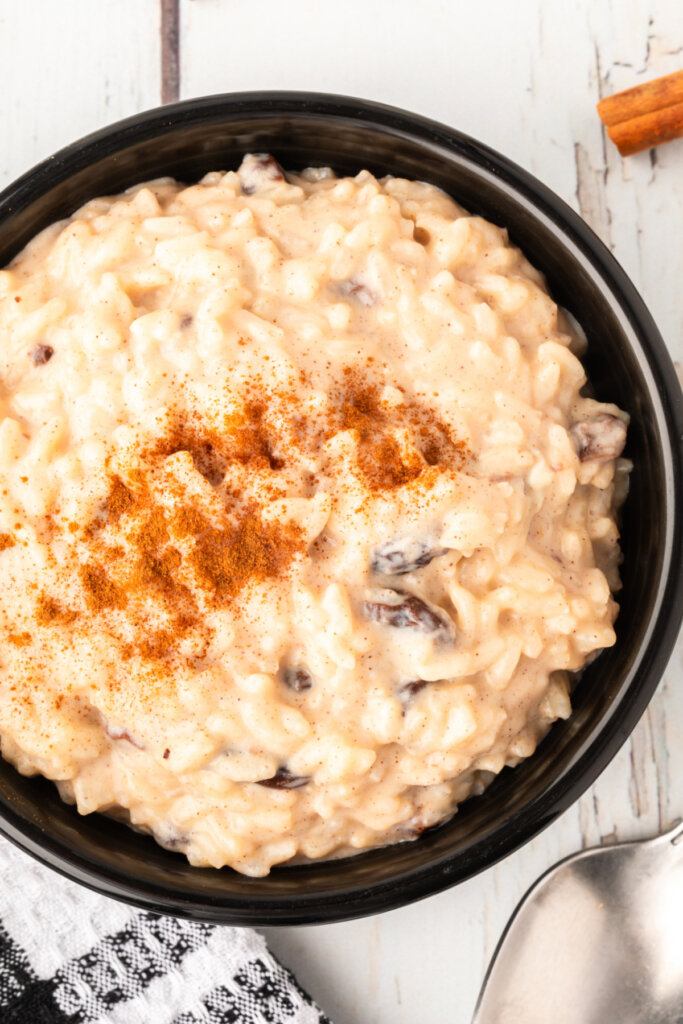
(170, 50)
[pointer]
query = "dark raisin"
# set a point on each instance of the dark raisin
(284, 779)
(185, 322)
(355, 289)
(166, 754)
(410, 690)
(41, 354)
(602, 438)
(402, 555)
(258, 170)
(171, 839)
(297, 679)
(409, 612)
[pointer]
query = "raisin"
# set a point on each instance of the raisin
(41, 354)
(602, 438)
(258, 170)
(408, 613)
(171, 838)
(355, 289)
(297, 679)
(411, 689)
(284, 779)
(402, 555)
(116, 733)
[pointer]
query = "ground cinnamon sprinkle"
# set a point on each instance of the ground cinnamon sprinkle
(250, 550)
(164, 565)
(380, 459)
(190, 434)
(19, 639)
(153, 531)
(383, 465)
(49, 611)
(188, 521)
(154, 646)
(100, 592)
(119, 499)
(243, 437)
(251, 440)
(6, 541)
(225, 553)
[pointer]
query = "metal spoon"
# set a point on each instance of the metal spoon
(597, 940)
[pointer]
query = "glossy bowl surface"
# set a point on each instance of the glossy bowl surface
(626, 362)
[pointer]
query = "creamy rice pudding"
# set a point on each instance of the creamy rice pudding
(304, 521)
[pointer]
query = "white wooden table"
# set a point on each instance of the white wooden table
(524, 77)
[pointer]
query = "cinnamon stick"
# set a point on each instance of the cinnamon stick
(646, 115)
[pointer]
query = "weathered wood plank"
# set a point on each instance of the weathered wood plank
(69, 68)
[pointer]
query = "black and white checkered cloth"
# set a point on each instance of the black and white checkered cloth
(69, 956)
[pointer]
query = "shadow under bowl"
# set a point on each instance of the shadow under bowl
(626, 362)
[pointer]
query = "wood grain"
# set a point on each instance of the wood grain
(525, 78)
(65, 74)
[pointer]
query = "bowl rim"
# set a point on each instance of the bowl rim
(418, 882)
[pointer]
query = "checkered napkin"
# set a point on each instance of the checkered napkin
(69, 956)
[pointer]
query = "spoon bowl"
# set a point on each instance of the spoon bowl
(597, 939)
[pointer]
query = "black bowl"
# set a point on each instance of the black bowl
(627, 363)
